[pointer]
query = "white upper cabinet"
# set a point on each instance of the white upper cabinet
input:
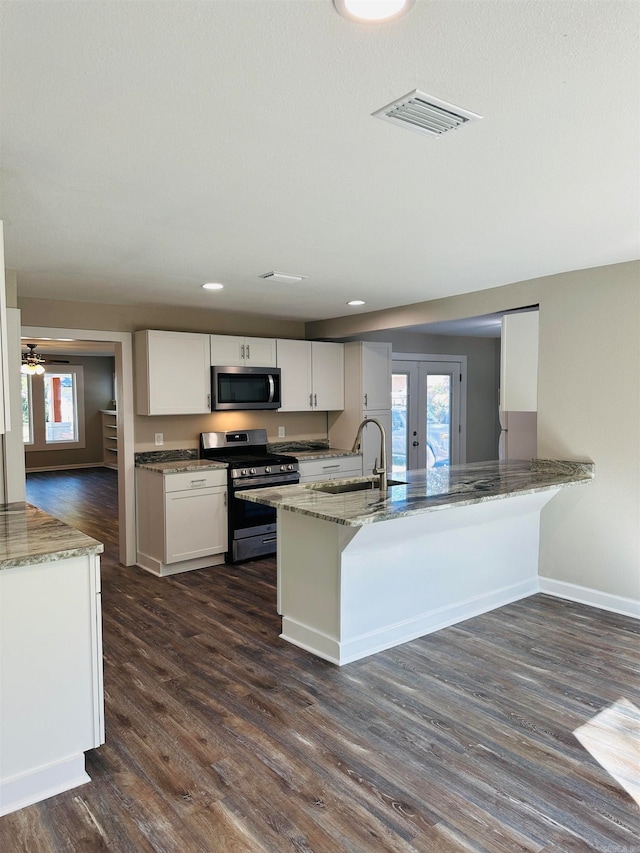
(327, 362)
(519, 362)
(233, 351)
(312, 377)
(172, 373)
(375, 373)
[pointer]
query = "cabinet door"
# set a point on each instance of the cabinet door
(195, 524)
(519, 362)
(227, 351)
(294, 361)
(331, 468)
(327, 361)
(376, 376)
(172, 373)
(260, 352)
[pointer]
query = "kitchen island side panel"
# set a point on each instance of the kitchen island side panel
(346, 597)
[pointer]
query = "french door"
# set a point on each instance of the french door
(426, 413)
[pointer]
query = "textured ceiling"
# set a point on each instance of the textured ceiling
(148, 147)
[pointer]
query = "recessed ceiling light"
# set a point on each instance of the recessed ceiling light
(356, 302)
(373, 11)
(213, 285)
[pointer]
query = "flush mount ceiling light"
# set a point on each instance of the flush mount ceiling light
(356, 302)
(423, 113)
(373, 11)
(213, 285)
(31, 361)
(284, 277)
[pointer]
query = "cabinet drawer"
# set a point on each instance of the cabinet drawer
(188, 480)
(332, 467)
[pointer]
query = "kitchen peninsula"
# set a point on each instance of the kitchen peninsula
(359, 572)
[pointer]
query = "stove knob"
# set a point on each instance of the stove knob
(253, 471)
(283, 467)
(244, 472)
(289, 467)
(267, 470)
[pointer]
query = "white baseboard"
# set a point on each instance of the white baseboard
(65, 467)
(161, 570)
(42, 782)
(593, 597)
(354, 648)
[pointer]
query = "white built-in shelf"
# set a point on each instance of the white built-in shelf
(109, 438)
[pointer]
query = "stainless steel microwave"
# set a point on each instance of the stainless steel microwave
(242, 388)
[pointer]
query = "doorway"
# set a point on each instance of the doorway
(124, 384)
(428, 411)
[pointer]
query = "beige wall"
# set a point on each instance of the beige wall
(184, 430)
(131, 318)
(588, 409)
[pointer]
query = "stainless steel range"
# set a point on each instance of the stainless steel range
(252, 527)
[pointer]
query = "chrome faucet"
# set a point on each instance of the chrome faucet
(382, 470)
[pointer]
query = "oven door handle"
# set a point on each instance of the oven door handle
(264, 482)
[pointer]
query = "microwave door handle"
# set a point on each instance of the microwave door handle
(272, 387)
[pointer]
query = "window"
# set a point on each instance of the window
(53, 409)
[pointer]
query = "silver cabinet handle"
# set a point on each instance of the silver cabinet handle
(329, 467)
(365, 399)
(198, 483)
(242, 351)
(225, 498)
(311, 401)
(248, 356)
(315, 399)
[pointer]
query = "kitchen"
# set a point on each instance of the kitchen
(588, 541)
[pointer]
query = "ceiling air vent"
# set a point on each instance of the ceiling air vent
(423, 113)
(285, 277)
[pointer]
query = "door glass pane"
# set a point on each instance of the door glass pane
(399, 420)
(61, 422)
(27, 428)
(438, 419)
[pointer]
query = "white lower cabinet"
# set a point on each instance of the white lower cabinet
(182, 520)
(51, 687)
(330, 468)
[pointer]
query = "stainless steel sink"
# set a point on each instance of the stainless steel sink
(337, 488)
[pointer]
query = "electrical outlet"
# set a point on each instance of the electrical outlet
(280, 432)
(159, 439)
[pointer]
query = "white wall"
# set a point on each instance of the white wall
(588, 409)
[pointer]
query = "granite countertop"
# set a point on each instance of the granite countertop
(28, 535)
(306, 450)
(325, 453)
(181, 465)
(425, 491)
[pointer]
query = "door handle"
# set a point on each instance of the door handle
(416, 443)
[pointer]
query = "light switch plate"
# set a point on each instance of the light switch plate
(159, 439)
(280, 432)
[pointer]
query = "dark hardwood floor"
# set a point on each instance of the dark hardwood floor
(222, 737)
